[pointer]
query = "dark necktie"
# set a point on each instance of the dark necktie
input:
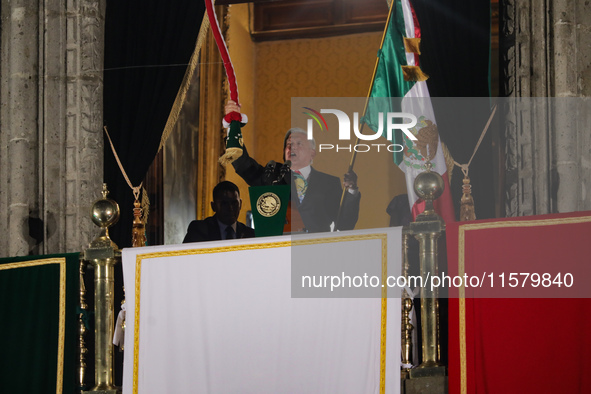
(230, 233)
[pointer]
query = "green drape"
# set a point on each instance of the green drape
(38, 323)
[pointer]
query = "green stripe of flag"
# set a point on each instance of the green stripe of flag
(389, 79)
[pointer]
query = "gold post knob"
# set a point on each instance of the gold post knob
(104, 213)
(428, 186)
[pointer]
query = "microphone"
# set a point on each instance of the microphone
(283, 171)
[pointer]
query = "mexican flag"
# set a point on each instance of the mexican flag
(398, 75)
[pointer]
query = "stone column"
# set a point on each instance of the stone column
(51, 145)
(545, 52)
(84, 113)
(19, 122)
(567, 157)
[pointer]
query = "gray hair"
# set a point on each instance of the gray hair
(297, 130)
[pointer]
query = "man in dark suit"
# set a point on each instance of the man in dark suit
(224, 224)
(315, 195)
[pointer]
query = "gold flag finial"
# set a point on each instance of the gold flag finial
(467, 202)
(138, 232)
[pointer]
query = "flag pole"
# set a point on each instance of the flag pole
(362, 124)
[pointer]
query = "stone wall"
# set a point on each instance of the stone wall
(545, 52)
(51, 144)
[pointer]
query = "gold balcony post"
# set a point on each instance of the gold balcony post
(407, 305)
(103, 254)
(82, 319)
(427, 229)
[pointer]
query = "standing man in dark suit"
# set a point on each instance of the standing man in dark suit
(316, 195)
(224, 224)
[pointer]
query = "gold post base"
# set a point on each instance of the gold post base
(426, 385)
(427, 371)
(117, 390)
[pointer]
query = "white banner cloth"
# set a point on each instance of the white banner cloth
(218, 317)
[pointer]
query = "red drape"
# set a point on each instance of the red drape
(536, 341)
